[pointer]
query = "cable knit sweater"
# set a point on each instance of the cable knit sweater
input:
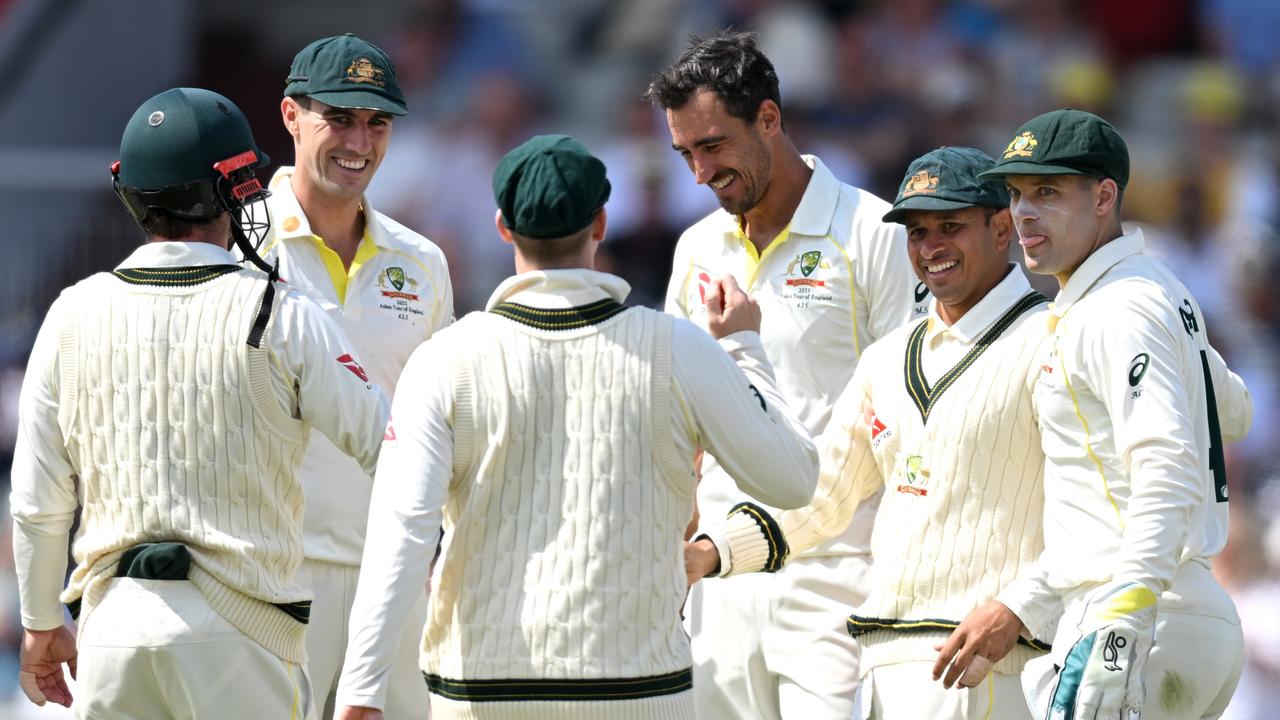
(178, 436)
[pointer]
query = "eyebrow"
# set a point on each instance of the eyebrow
(349, 112)
(702, 142)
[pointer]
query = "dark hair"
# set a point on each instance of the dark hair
(164, 224)
(729, 65)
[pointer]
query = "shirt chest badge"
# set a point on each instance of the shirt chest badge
(804, 281)
(399, 293)
(915, 476)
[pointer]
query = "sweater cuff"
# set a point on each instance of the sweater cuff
(725, 552)
(754, 540)
(1039, 617)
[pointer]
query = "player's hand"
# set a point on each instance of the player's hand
(730, 310)
(701, 558)
(42, 656)
(1101, 674)
(351, 712)
(982, 639)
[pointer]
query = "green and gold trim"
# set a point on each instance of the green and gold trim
(859, 626)
(561, 319)
(918, 387)
(778, 548)
(560, 690)
(174, 276)
(300, 611)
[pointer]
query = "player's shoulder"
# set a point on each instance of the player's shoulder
(407, 242)
(892, 341)
(709, 232)
(1136, 284)
(859, 217)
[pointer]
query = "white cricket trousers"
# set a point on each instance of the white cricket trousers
(776, 646)
(907, 691)
(155, 650)
(1198, 656)
(334, 588)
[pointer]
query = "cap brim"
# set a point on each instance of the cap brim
(360, 100)
(1023, 167)
(917, 202)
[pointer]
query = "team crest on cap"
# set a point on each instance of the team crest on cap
(1021, 146)
(362, 70)
(921, 182)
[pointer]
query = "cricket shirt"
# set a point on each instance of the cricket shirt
(395, 295)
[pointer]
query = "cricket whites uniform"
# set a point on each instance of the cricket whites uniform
(557, 432)
(395, 296)
(835, 280)
(147, 402)
(1134, 406)
(941, 418)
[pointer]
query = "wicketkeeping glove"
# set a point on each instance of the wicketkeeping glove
(1101, 676)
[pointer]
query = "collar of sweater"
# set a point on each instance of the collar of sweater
(564, 288)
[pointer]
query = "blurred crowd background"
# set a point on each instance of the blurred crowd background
(1192, 85)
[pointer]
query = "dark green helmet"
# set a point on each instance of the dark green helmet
(189, 152)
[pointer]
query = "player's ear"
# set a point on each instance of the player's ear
(599, 224)
(769, 118)
(289, 114)
(1108, 196)
(503, 231)
(1002, 228)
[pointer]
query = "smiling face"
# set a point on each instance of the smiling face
(337, 150)
(724, 153)
(1061, 219)
(959, 254)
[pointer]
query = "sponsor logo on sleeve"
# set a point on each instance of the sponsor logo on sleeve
(1137, 370)
(1188, 314)
(880, 433)
(704, 284)
(348, 362)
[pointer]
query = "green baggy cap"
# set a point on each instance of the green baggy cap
(1065, 142)
(947, 179)
(549, 187)
(347, 72)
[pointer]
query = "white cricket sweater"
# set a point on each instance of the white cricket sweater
(958, 455)
(557, 433)
(172, 422)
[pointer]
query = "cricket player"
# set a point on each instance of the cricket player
(1134, 407)
(387, 286)
(830, 277)
(171, 400)
(557, 431)
(939, 415)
